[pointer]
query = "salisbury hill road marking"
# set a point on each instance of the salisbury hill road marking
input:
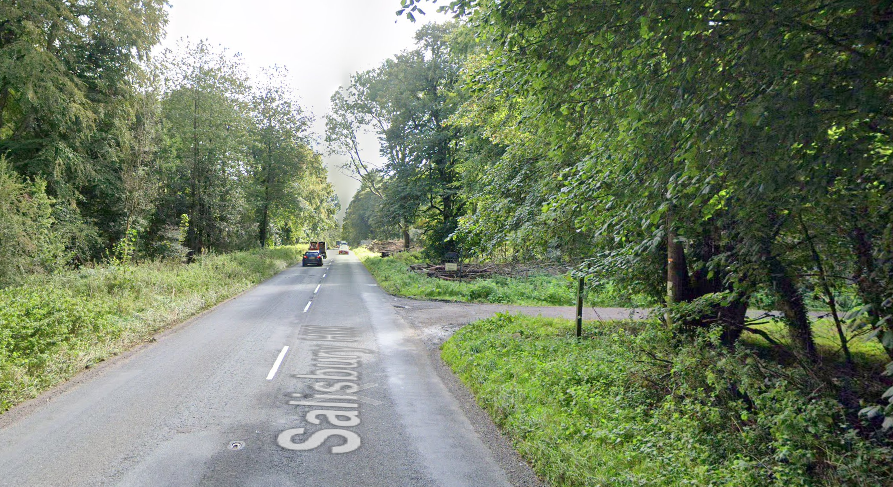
(336, 374)
(277, 364)
(308, 306)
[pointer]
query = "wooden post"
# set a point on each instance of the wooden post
(580, 307)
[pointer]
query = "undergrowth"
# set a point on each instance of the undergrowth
(395, 277)
(52, 327)
(630, 405)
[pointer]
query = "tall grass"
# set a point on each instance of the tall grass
(631, 405)
(394, 276)
(52, 327)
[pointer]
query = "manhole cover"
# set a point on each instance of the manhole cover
(236, 445)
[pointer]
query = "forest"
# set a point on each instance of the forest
(107, 151)
(717, 156)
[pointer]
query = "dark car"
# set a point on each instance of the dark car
(311, 257)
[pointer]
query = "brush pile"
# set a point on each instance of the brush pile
(484, 271)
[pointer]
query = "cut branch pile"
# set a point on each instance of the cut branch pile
(484, 271)
(466, 271)
(389, 247)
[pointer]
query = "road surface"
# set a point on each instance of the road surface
(309, 379)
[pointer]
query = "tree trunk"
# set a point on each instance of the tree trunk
(789, 299)
(732, 318)
(268, 182)
(790, 302)
(678, 280)
(264, 224)
(869, 290)
(4, 99)
(195, 217)
(826, 288)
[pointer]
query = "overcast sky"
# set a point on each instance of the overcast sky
(321, 42)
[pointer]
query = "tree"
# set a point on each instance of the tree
(407, 102)
(699, 133)
(279, 135)
(66, 76)
(206, 122)
(317, 206)
(367, 218)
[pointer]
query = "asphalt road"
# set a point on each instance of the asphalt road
(220, 401)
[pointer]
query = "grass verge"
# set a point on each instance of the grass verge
(53, 327)
(395, 277)
(630, 405)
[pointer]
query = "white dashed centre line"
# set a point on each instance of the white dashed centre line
(317, 289)
(308, 306)
(324, 276)
(277, 364)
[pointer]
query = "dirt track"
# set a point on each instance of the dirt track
(436, 321)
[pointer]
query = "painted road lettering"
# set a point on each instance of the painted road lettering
(328, 334)
(333, 401)
(318, 438)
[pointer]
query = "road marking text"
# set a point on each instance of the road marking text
(335, 375)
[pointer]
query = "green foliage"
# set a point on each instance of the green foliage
(686, 149)
(630, 405)
(395, 277)
(28, 243)
(866, 351)
(238, 157)
(367, 216)
(126, 145)
(286, 183)
(207, 123)
(407, 102)
(68, 72)
(52, 327)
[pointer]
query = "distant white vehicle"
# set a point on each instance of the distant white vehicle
(343, 249)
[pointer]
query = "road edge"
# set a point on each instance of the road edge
(516, 468)
(24, 409)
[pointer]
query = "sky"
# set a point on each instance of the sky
(321, 42)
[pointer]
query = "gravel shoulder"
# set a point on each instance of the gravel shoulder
(436, 321)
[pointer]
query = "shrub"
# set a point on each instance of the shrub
(28, 242)
(632, 405)
(481, 292)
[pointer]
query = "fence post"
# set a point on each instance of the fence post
(580, 308)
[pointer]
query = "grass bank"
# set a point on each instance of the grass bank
(629, 405)
(395, 277)
(53, 327)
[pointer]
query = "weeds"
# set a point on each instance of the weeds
(632, 405)
(52, 327)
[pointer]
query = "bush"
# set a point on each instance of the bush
(482, 292)
(631, 405)
(28, 243)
